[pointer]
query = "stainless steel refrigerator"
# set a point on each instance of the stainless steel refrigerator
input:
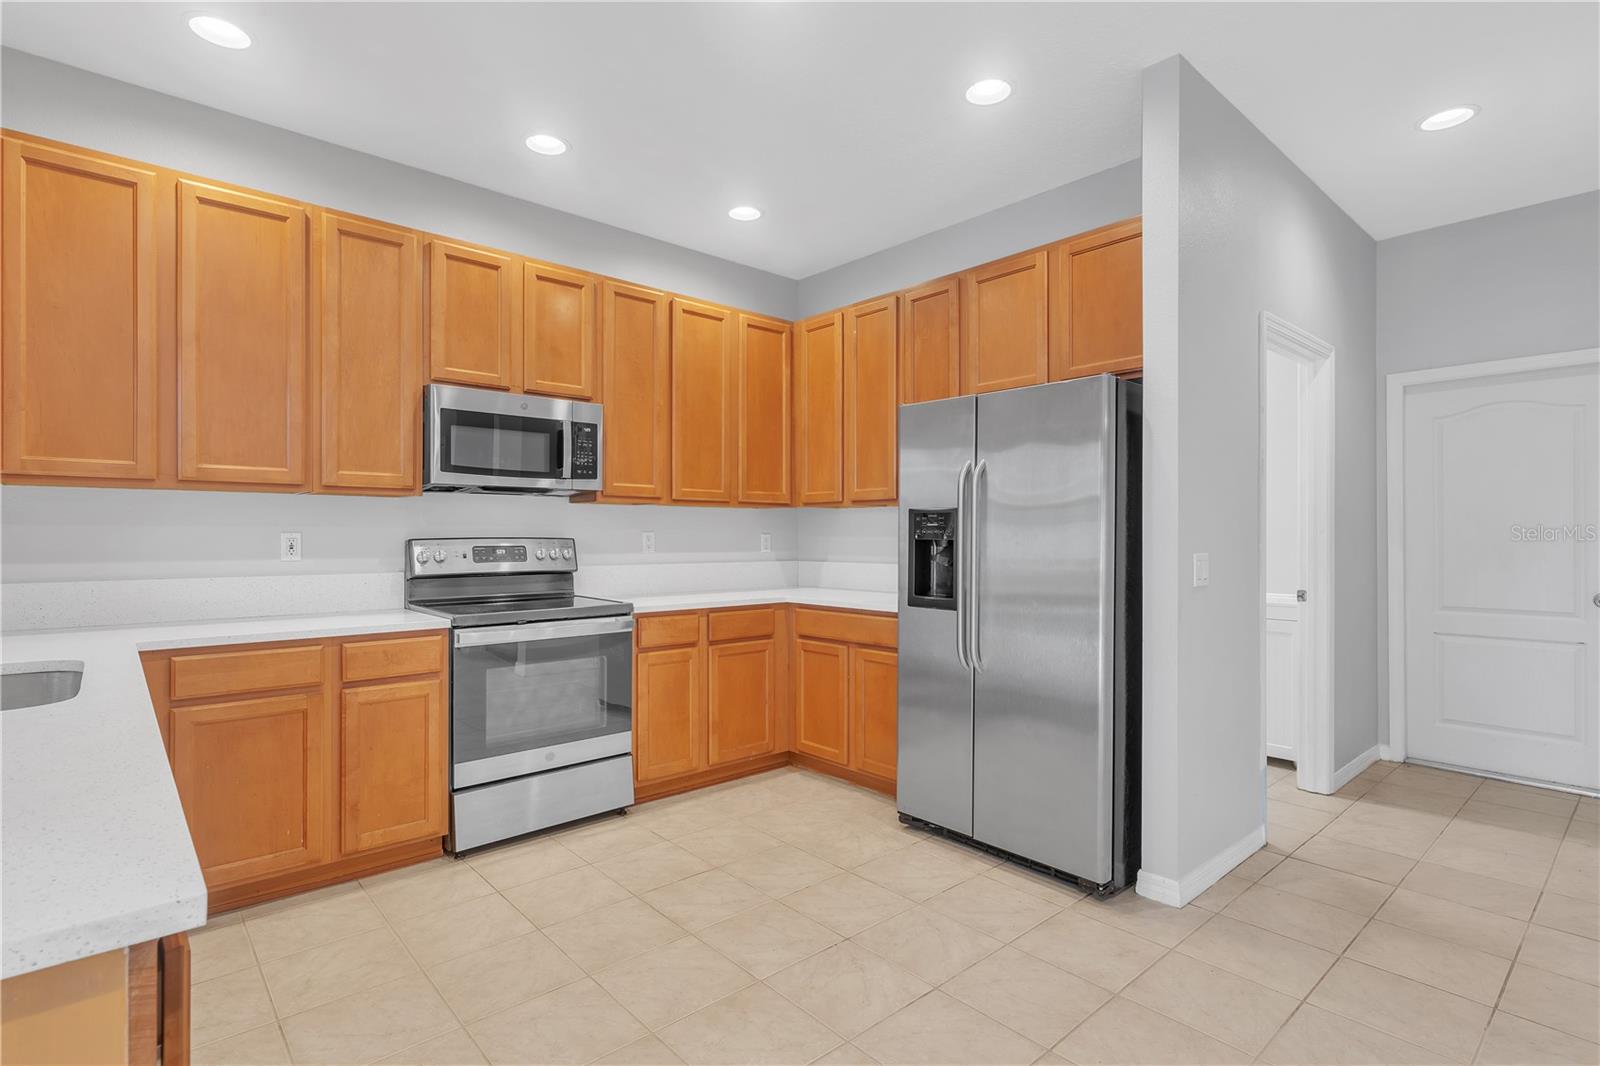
(1019, 630)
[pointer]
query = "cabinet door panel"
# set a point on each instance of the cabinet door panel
(392, 762)
(241, 337)
(819, 409)
(764, 410)
(1007, 321)
(703, 398)
(930, 341)
(471, 303)
(252, 775)
(1097, 302)
(79, 315)
(874, 693)
(559, 331)
(669, 704)
(371, 395)
(636, 383)
(871, 454)
(742, 700)
(822, 700)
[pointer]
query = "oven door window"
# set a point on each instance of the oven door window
(512, 702)
(500, 445)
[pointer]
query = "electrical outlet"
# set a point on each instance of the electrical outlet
(766, 542)
(649, 543)
(289, 547)
(1202, 569)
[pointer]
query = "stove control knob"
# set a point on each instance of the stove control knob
(438, 555)
(422, 557)
(566, 553)
(539, 554)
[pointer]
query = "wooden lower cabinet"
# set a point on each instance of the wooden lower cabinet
(394, 748)
(290, 773)
(669, 713)
(741, 700)
(706, 699)
(128, 1005)
(253, 778)
(874, 700)
(734, 691)
(822, 700)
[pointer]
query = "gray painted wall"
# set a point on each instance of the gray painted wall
(1232, 228)
(50, 99)
(1109, 196)
(1523, 282)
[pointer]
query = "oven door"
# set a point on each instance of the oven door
(482, 439)
(537, 696)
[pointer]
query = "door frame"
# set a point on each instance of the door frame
(1394, 750)
(1314, 741)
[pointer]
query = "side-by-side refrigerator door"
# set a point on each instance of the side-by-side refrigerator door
(935, 713)
(1042, 719)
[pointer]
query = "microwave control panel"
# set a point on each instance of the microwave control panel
(585, 451)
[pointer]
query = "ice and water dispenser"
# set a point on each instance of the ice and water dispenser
(933, 559)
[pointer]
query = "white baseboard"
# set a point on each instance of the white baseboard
(1179, 892)
(1348, 772)
(1388, 753)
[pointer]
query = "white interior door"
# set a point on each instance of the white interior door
(1282, 684)
(1284, 527)
(1501, 570)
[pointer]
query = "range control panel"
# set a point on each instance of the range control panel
(510, 555)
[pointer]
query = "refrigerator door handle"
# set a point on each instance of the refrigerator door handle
(962, 600)
(980, 478)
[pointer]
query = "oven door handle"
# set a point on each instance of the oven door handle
(527, 632)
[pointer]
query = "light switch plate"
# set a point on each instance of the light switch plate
(289, 547)
(1202, 569)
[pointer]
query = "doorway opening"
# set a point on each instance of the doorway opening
(1296, 527)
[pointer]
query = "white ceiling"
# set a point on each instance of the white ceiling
(845, 123)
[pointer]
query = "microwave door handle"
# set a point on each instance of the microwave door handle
(529, 632)
(565, 473)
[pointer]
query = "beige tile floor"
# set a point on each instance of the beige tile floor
(1416, 917)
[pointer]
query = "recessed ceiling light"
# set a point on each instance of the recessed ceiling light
(1450, 116)
(988, 91)
(745, 213)
(219, 32)
(546, 144)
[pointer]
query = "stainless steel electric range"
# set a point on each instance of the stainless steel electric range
(541, 685)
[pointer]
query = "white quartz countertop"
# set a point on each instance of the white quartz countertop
(96, 852)
(847, 599)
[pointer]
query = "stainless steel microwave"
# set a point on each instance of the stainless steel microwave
(480, 440)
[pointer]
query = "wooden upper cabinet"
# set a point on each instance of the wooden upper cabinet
(669, 703)
(822, 700)
(242, 376)
(703, 402)
(79, 332)
(871, 453)
(472, 300)
(1006, 315)
(559, 332)
(874, 694)
(819, 409)
(742, 700)
(1097, 302)
(393, 750)
(370, 365)
(636, 384)
(252, 777)
(765, 411)
(930, 341)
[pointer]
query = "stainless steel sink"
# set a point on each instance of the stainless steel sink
(36, 684)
